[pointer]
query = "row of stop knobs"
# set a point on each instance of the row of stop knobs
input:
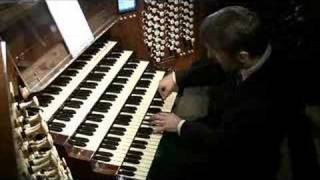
(168, 25)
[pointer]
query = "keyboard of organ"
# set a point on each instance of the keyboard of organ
(98, 109)
(138, 159)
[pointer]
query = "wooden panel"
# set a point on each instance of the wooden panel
(7, 149)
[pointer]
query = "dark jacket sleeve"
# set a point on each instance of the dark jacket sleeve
(240, 126)
(201, 73)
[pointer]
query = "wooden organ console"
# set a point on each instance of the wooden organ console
(92, 105)
(79, 83)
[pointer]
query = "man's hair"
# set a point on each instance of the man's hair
(233, 29)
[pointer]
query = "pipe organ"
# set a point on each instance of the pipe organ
(91, 102)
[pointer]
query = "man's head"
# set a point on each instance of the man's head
(235, 36)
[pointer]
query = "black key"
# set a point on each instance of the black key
(87, 128)
(135, 152)
(76, 143)
(94, 117)
(119, 133)
(90, 85)
(90, 124)
(108, 146)
(97, 116)
(67, 79)
(129, 109)
(55, 128)
(143, 84)
(157, 95)
(154, 110)
(124, 117)
(126, 173)
(134, 99)
(52, 90)
(125, 73)
(84, 132)
(60, 114)
(145, 130)
(133, 66)
(119, 129)
(62, 118)
(130, 160)
(128, 168)
(139, 146)
(113, 143)
(44, 103)
(108, 61)
(147, 76)
(73, 103)
(102, 153)
(45, 97)
(102, 69)
(100, 108)
(123, 123)
(156, 103)
(94, 77)
(108, 97)
(58, 124)
(77, 65)
(113, 138)
(61, 81)
(115, 54)
(82, 92)
(81, 139)
(68, 111)
(103, 104)
(70, 72)
(140, 142)
(139, 91)
(134, 156)
(144, 136)
(91, 51)
(120, 80)
(114, 88)
(102, 158)
(85, 57)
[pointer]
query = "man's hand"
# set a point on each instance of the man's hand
(166, 86)
(165, 122)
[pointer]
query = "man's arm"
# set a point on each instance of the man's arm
(201, 73)
(243, 125)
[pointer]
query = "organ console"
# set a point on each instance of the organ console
(95, 105)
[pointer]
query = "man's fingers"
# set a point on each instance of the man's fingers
(158, 129)
(163, 92)
(158, 123)
(158, 116)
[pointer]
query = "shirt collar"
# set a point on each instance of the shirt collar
(245, 73)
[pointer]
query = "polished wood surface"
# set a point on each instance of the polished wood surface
(7, 149)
